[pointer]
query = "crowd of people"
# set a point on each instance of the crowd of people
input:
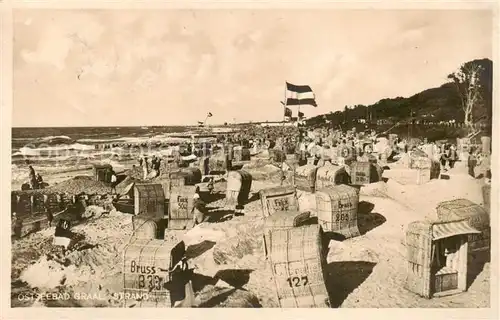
(364, 144)
(152, 165)
(291, 139)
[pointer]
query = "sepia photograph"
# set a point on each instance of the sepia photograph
(251, 158)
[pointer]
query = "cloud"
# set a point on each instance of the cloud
(114, 67)
(52, 51)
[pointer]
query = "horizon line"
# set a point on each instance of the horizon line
(139, 126)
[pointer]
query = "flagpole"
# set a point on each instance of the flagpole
(283, 125)
(298, 115)
(295, 164)
(284, 106)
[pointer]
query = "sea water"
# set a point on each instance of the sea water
(71, 148)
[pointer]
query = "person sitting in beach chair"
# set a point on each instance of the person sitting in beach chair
(199, 209)
(446, 158)
(39, 181)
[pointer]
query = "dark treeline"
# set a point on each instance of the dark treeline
(429, 107)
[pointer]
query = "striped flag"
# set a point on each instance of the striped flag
(209, 114)
(300, 95)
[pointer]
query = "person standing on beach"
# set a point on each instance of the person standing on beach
(157, 166)
(145, 167)
(50, 216)
(153, 163)
(32, 177)
(453, 156)
(113, 182)
(472, 162)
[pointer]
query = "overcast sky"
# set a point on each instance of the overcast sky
(168, 67)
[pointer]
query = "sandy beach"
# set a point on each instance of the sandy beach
(230, 269)
(248, 156)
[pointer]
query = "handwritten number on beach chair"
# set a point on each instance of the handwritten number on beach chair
(298, 281)
(342, 217)
(153, 282)
(157, 283)
(305, 280)
(281, 204)
(183, 203)
(142, 283)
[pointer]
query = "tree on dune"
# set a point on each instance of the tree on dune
(471, 88)
(434, 105)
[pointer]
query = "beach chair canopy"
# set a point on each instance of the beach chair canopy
(450, 229)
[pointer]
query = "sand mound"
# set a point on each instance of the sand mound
(241, 239)
(377, 189)
(96, 254)
(230, 253)
(30, 249)
(54, 274)
(256, 163)
(93, 211)
(202, 233)
(135, 173)
(265, 172)
(90, 263)
(217, 297)
(403, 161)
(269, 168)
(307, 201)
(80, 184)
(425, 198)
(264, 154)
(366, 271)
(233, 249)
